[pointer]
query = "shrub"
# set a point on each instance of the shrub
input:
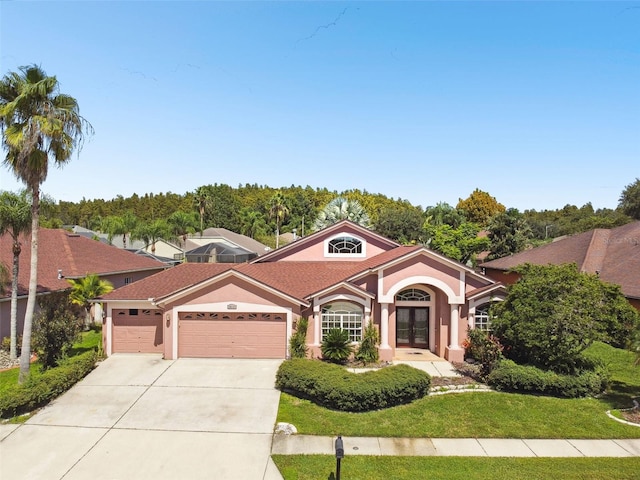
(56, 327)
(334, 387)
(368, 350)
(554, 312)
(298, 341)
(511, 377)
(484, 349)
(41, 389)
(336, 346)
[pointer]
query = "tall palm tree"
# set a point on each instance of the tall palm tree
(151, 232)
(85, 289)
(252, 223)
(39, 125)
(15, 219)
(129, 224)
(202, 199)
(342, 209)
(112, 225)
(182, 224)
(278, 209)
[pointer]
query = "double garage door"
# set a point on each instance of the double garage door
(232, 335)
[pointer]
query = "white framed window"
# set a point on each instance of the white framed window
(128, 280)
(344, 315)
(482, 320)
(344, 245)
(413, 295)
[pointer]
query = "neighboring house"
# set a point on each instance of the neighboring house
(64, 255)
(343, 276)
(612, 254)
(217, 252)
(225, 237)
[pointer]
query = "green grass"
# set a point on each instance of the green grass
(88, 341)
(483, 415)
(321, 467)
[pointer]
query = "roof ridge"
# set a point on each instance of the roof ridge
(596, 251)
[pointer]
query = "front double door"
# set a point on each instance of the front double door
(412, 327)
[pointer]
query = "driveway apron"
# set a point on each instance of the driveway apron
(138, 416)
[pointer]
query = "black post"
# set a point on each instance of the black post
(339, 455)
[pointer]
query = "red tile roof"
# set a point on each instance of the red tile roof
(75, 255)
(614, 253)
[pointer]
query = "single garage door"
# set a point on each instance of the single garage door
(137, 331)
(232, 335)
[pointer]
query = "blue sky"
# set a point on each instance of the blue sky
(537, 103)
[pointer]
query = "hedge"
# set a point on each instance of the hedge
(334, 387)
(511, 377)
(40, 390)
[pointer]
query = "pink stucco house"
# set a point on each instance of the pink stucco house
(342, 276)
(65, 255)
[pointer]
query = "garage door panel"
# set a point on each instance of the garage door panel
(232, 337)
(137, 333)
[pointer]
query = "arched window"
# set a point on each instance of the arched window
(345, 246)
(482, 319)
(413, 295)
(344, 315)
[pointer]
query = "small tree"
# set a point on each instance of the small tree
(550, 316)
(336, 346)
(484, 348)
(368, 350)
(56, 328)
(298, 341)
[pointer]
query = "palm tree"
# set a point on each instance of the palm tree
(38, 124)
(182, 224)
(112, 226)
(252, 223)
(129, 224)
(85, 289)
(15, 219)
(150, 233)
(202, 199)
(278, 208)
(342, 209)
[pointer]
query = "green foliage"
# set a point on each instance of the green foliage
(480, 207)
(298, 341)
(444, 214)
(41, 389)
(570, 220)
(334, 387)
(401, 222)
(509, 233)
(629, 201)
(551, 315)
(484, 349)
(341, 208)
(368, 349)
(336, 346)
(461, 243)
(510, 377)
(56, 328)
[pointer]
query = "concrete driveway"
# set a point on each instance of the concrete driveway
(138, 416)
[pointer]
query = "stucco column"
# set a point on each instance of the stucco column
(384, 325)
(316, 324)
(453, 327)
(108, 328)
(454, 353)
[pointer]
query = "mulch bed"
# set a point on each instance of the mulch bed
(632, 416)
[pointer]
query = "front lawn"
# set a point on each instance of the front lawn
(44, 386)
(321, 467)
(483, 415)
